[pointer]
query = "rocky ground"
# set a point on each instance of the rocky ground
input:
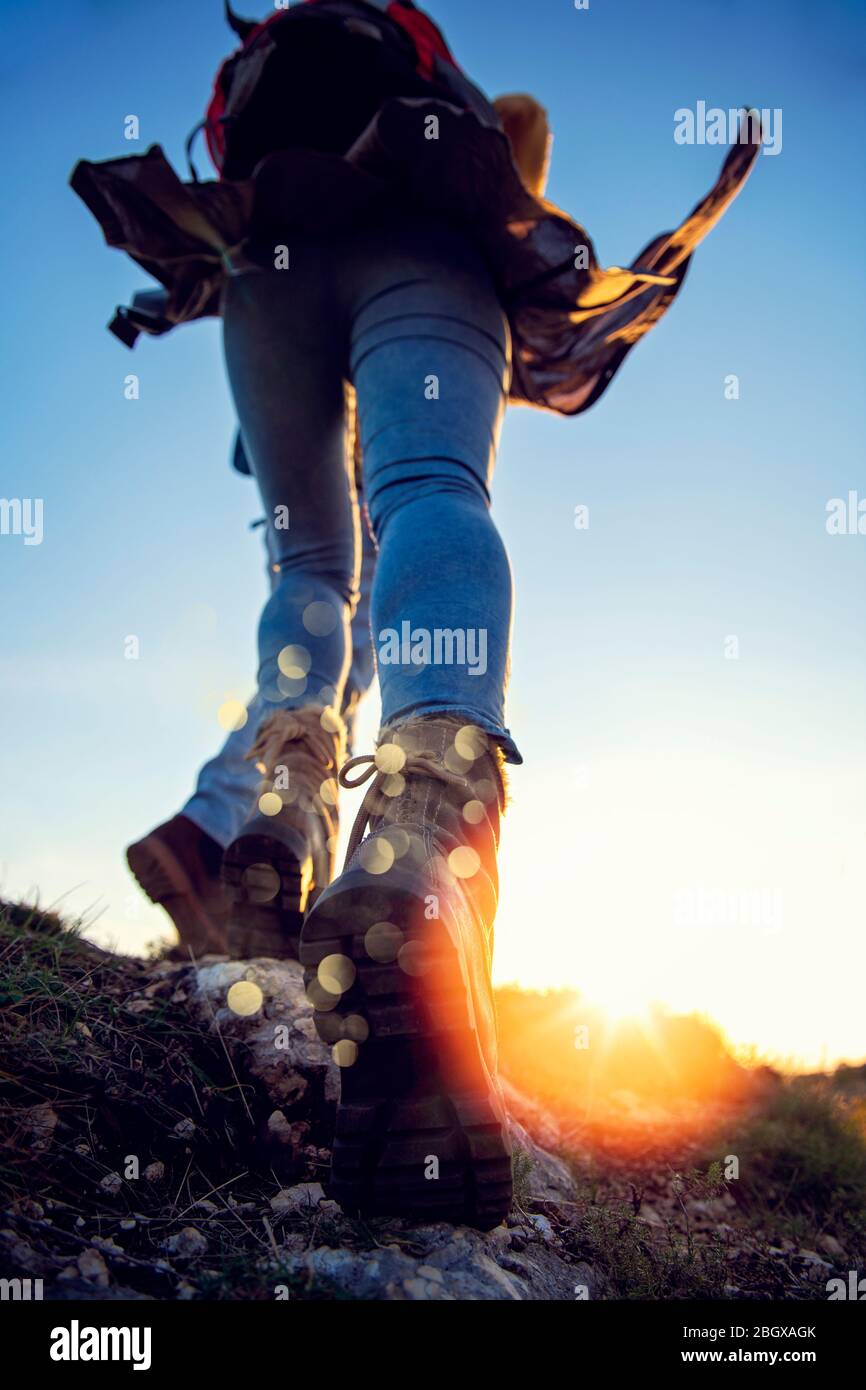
(165, 1132)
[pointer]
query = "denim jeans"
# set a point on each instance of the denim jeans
(406, 312)
(226, 785)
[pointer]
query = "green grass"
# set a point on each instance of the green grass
(639, 1261)
(802, 1161)
(521, 1176)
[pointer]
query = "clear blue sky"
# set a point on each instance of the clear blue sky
(652, 763)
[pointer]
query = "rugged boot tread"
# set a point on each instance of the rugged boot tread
(417, 1099)
(265, 908)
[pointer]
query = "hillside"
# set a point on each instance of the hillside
(156, 1145)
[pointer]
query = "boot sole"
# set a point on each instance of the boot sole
(421, 1130)
(266, 888)
(162, 878)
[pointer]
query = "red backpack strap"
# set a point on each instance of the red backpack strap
(428, 41)
(214, 132)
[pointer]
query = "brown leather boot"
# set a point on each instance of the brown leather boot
(284, 854)
(398, 957)
(178, 867)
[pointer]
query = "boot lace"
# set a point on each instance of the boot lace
(422, 764)
(290, 726)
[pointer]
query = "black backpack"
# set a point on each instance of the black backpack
(314, 76)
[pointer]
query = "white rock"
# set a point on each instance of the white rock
(188, 1244)
(92, 1267)
(303, 1198)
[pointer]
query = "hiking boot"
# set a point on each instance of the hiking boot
(284, 854)
(398, 955)
(178, 867)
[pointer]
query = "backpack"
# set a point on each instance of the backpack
(315, 74)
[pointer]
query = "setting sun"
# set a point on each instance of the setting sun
(681, 882)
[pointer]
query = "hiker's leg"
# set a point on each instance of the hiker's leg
(408, 924)
(226, 785)
(178, 863)
(430, 364)
(285, 349)
(285, 357)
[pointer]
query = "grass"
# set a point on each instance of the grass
(644, 1262)
(521, 1175)
(101, 1065)
(82, 1041)
(802, 1161)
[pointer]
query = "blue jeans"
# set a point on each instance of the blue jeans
(406, 312)
(227, 784)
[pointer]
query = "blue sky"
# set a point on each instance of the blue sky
(654, 765)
